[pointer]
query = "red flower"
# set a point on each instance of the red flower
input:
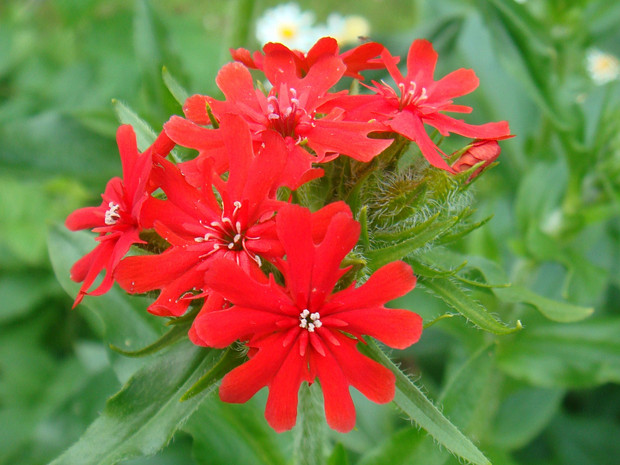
(117, 218)
(479, 151)
(292, 109)
(357, 59)
(200, 228)
(421, 100)
(303, 330)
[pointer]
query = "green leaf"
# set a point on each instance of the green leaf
(145, 134)
(465, 400)
(174, 334)
(577, 355)
(229, 360)
(422, 236)
(175, 88)
(338, 456)
(226, 434)
(144, 415)
(119, 319)
(523, 415)
(411, 400)
(552, 309)
(526, 49)
(459, 300)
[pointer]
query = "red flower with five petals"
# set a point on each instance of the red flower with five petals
(421, 100)
(117, 218)
(303, 330)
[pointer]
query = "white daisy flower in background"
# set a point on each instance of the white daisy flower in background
(346, 29)
(602, 67)
(289, 25)
(295, 28)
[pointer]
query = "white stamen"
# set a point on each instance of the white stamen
(309, 321)
(112, 215)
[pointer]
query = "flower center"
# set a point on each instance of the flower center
(309, 321)
(284, 113)
(410, 94)
(112, 215)
(228, 235)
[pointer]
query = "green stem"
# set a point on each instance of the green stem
(310, 434)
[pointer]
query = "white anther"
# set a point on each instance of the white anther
(304, 313)
(293, 92)
(317, 324)
(311, 327)
(303, 323)
(112, 215)
(294, 101)
(315, 316)
(273, 116)
(231, 245)
(236, 238)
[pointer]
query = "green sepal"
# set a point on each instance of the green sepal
(462, 229)
(412, 401)
(229, 360)
(176, 89)
(175, 334)
(453, 295)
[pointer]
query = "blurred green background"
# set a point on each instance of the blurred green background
(555, 196)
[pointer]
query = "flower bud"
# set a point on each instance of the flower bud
(484, 150)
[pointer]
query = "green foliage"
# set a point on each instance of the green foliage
(548, 258)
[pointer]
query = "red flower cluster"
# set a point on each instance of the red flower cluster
(224, 226)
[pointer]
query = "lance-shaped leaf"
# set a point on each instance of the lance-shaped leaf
(554, 310)
(465, 399)
(411, 400)
(144, 415)
(176, 89)
(453, 295)
(408, 241)
(145, 134)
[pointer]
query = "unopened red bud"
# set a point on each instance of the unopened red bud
(485, 151)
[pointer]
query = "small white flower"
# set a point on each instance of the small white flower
(602, 67)
(288, 25)
(346, 29)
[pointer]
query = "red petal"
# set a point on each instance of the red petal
(239, 385)
(387, 283)
(372, 379)
(86, 218)
(445, 124)
(339, 408)
(293, 224)
(347, 138)
(195, 109)
(144, 273)
(221, 328)
(421, 61)
(410, 126)
(395, 327)
(235, 81)
(228, 279)
(340, 238)
(457, 83)
(281, 409)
